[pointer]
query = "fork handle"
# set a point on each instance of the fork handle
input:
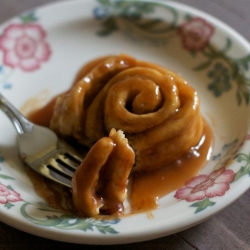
(21, 124)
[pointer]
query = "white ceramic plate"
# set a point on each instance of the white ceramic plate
(40, 53)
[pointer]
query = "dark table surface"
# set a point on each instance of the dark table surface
(229, 229)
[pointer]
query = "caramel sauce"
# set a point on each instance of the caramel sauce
(146, 188)
(43, 115)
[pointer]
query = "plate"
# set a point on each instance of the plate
(42, 50)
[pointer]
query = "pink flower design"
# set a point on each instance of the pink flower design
(195, 34)
(215, 184)
(8, 195)
(24, 46)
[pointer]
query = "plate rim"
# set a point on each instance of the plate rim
(109, 239)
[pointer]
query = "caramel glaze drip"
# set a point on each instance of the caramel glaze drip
(148, 187)
(159, 114)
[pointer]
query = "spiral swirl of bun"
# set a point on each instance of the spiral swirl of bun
(155, 108)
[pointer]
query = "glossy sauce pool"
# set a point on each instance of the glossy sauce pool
(145, 188)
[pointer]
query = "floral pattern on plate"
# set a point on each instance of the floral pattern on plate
(204, 187)
(24, 45)
(69, 222)
(195, 34)
(8, 195)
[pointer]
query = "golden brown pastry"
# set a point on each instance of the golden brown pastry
(100, 182)
(157, 110)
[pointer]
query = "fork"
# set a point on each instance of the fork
(41, 149)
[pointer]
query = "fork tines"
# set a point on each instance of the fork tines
(60, 165)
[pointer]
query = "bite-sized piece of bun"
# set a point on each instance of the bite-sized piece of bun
(100, 182)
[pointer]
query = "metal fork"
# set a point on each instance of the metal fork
(41, 149)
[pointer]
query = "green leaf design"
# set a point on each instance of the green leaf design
(203, 65)
(105, 229)
(234, 70)
(6, 177)
(227, 46)
(8, 205)
(243, 157)
(201, 205)
(1, 157)
(10, 187)
(244, 62)
(135, 12)
(109, 26)
(105, 2)
(188, 17)
(67, 222)
(28, 17)
(236, 67)
(77, 224)
(244, 170)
